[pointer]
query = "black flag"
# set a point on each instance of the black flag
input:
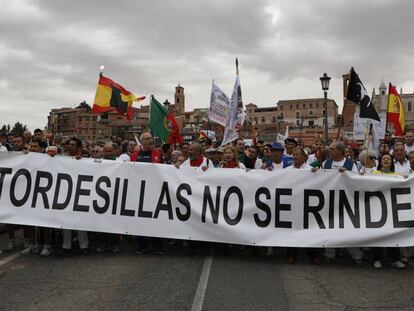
(116, 100)
(359, 95)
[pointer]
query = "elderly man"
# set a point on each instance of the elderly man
(97, 152)
(402, 166)
(27, 136)
(147, 154)
(339, 162)
(196, 158)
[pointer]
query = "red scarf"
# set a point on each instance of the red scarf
(197, 162)
(231, 164)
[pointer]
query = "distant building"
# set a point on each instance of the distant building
(267, 122)
(81, 122)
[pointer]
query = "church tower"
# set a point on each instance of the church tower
(382, 97)
(179, 100)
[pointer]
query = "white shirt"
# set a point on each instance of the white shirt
(123, 158)
(258, 164)
(311, 159)
(402, 169)
(303, 167)
(204, 163)
(2, 148)
(338, 164)
(408, 149)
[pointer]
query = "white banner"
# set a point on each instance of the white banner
(258, 207)
(237, 115)
(361, 126)
(219, 106)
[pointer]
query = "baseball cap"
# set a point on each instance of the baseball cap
(276, 146)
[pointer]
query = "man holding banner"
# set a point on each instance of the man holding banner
(147, 154)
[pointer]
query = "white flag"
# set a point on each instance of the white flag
(219, 106)
(237, 115)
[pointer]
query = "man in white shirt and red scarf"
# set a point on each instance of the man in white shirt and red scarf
(196, 158)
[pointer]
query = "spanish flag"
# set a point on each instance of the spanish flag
(395, 111)
(112, 96)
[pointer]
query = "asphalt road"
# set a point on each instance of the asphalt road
(175, 281)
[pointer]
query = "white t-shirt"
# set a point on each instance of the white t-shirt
(303, 167)
(338, 164)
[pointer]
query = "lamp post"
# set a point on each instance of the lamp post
(325, 87)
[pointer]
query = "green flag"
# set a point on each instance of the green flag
(163, 124)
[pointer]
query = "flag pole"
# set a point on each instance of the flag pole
(369, 126)
(237, 73)
(208, 119)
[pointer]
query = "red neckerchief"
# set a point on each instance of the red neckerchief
(231, 164)
(197, 162)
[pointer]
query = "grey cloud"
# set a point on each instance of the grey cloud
(50, 51)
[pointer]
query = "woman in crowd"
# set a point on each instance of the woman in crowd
(368, 162)
(230, 158)
(386, 168)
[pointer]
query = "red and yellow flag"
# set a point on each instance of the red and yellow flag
(112, 96)
(395, 111)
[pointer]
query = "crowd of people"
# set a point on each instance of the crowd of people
(395, 158)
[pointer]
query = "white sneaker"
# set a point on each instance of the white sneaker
(45, 251)
(398, 264)
(377, 264)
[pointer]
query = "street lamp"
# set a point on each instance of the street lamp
(325, 87)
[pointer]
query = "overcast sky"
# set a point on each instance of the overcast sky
(51, 51)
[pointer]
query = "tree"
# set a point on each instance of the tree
(84, 105)
(19, 128)
(5, 129)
